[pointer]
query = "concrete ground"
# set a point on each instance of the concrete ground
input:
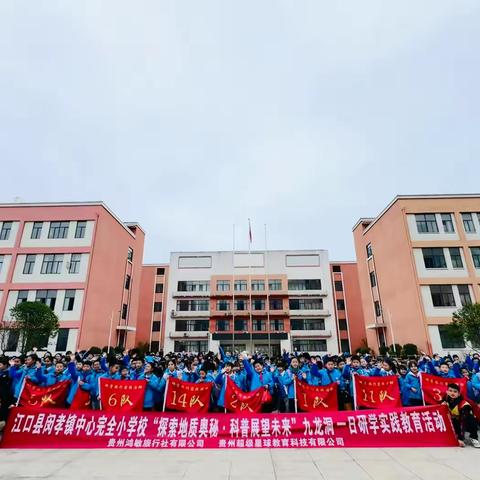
(264, 464)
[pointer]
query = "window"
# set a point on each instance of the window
(456, 257)
(157, 306)
(192, 305)
(29, 264)
(48, 297)
(36, 230)
(58, 230)
(305, 304)
(191, 326)
(259, 325)
(156, 326)
(192, 286)
(426, 223)
(258, 285)
(276, 304)
(191, 346)
(342, 324)
(442, 296)
(80, 230)
(5, 230)
(22, 296)
(223, 325)
(307, 323)
(434, 258)
(160, 271)
(241, 305)
(240, 325)
(124, 311)
(340, 304)
(159, 288)
(345, 345)
(155, 346)
(223, 305)
(369, 250)
(275, 285)
(475, 256)
(447, 223)
(74, 266)
(304, 345)
(373, 279)
(128, 279)
(12, 340)
(69, 300)
(464, 292)
(52, 263)
(336, 269)
(338, 286)
(277, 325)
(448, 339)
(468, 224)
(378, 308)
(315, 284)
(258, 304)
(62, 340)
(223, 285)
(130, 254)
(240, 285)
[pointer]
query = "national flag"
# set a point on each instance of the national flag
(34, 396)
(122, 395)
(187, 397)
(313, 399)
(377, 392)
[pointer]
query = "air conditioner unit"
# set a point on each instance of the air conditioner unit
(172, 313)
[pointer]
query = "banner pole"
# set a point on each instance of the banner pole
(354, 391)
(295, 393)
(421, 388)
(165, 394)
(21, 391)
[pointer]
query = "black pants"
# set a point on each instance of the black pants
(415, 402)
(466, 423)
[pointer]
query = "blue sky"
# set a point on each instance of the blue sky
(189, 116)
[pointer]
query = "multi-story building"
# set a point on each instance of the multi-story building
(151, 311)
(348, 306)
(419, 262)
(79, 259)
(265, 301)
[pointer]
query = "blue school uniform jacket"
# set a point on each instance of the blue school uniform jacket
(411, 381)
(221, 381)
(152, 390)
(255, 380)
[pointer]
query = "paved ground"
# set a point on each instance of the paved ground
(305, 464)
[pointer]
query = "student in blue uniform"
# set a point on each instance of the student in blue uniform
(411, 391)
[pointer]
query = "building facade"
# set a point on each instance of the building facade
(348, 306)
(151, 312)
(258, 301)
(79, 259)
(419, 262)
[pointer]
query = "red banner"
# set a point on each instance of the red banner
(377, 392)
(405, 427)
(315, 399)
(122, 395)
(33, 396)
(435, 387)
(81, 400)
(236, 400)
(187, 397)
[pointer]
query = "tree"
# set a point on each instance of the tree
(466, 323)
(410, 349)
(35, 322)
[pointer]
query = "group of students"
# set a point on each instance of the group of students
(249, 372)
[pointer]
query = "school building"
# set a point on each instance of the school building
(81, 261)
(418, 262)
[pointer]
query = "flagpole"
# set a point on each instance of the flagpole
(165, 394)
(110, 334)
(267, 286)
(233, 292)
(421, 388)
(354, 391)
(295, 393)
(250, 281)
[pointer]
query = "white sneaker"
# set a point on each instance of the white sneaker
(475, 443)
